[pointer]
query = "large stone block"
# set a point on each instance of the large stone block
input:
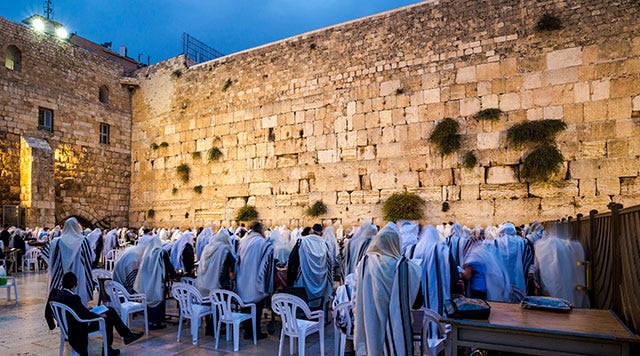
(554, 189)
(504, 191)
(502, 174)
(436, 177)
(383, 180)
(564, 58)
(488, 140)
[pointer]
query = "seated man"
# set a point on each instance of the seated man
(78, 332)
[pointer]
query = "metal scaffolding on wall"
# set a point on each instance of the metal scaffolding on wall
(197, 50)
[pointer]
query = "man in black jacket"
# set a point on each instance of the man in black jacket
(78, 332)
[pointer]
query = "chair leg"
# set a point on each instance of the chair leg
(236, 336)
(343, 342)
(337, 337)
(227, 331)
(301, 344)
(15, 291)
(291, 339)
(321, 340)
(146, 321)
(217, 331)
(279, 348)
(195, 325)
(61, 350)
(179, 327)
(255, 334)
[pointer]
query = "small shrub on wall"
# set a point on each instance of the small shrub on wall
(247, 213)
(215, 154)
(151, 214)
(535, 132)
(541, 164)
(183, 171)
(197, 189)
(318, 208)
(403, 206)
(446, 137)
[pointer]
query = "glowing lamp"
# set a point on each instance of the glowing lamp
(62, 33)
(38, 24)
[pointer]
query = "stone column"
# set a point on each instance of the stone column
(37, 190)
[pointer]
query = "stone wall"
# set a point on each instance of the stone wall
(90, 179)
(343, 115)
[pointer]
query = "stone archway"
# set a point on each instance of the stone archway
(86, 223)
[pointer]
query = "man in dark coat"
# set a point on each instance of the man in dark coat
(78, 331)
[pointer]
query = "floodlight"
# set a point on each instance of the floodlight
(62, 33)
(38, 24)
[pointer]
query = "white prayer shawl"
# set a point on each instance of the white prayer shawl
(315, 267)
(356, 247)
(511, 248)
(330, 239)
(163, 234)
(110, 241)
(346, 291)
(203, 240)
(408, 237)
(491, 233)
(387, 285)
(433, 257)
(93, 238)
(457, 241)
(126, 267)
(211, 264)
(281, 247)
(254, 268)
(71, 252)
(295, 235)
(340, 233)
(178, 247)
(487, 254)
(150, 278)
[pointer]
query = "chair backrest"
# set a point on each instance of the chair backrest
(115, 291)
(32, 254)
(60, 312)
(186, 296)
(223, 299)
(430, 318)
(343, 318)
(188, 280)
(98, 273)
(286, 305)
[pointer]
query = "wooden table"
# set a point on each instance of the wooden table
(514, 329)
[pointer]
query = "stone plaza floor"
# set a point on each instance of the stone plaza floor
(23, 331)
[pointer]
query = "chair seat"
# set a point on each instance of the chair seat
(131, 306)
(239, 317)
(201, 309)
(306, 327)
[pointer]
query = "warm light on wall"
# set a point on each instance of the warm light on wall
(38, 24)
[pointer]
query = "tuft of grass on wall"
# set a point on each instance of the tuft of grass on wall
(548, 22)
(318, 208)
(445, 206)
(247, 213)
(227, 84)
(183, 171)
(196, 155)
(214, 154)
(164, 144)
(197, 189)
(492, 114)
(151, 214)
(541, 132)
(403, 206)
(174, 191)
(154, 146)
(446, 136)
(541, 163)
(470, 160)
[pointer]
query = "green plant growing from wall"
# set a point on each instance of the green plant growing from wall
(214, 154)
(247, 213)
(541, 163)
(164, 144)
(196, 155)
(197, 189)
(548, 23)
(470, 160)
(403, 206)
(176, 73)
(491, 114)
(446, 137)
(154, 146)
(536, 133)
(174, 191)
(151, 214)
(183, 171)
(313, 46)
(445, 206)
(316, 209)
(227, 84)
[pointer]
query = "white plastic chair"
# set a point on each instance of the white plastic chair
(31, 258)
(224, 300)
(11, 283)
(110, 260)
(342, 314)
(98, 274)
(286, 305)
(192, 306)
(130, 303)
(188, 280)
(435, 344)
(60, 313)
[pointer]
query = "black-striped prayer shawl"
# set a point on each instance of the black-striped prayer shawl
(83, 258)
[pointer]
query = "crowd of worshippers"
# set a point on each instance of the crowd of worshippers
(381, 271)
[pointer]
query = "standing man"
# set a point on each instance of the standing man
(254, 268)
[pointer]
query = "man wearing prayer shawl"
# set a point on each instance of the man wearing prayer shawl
(387, 284)
(330, 239)
(356, 247)
(202, 240)
(511, 250)
(254, 271)
(433, 257)
(408, 237)
(183, 255)
(110, 241)
(71, 252)
(95, 240)
(217, 264)
(310, 266)
(281, 247)
(154, 270)
(126, 269)
(485, 271)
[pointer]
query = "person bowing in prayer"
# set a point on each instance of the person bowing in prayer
(126, 268)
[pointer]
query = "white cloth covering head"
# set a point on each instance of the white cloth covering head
(254, 268)
(408, 235)
(315, 267)
(487, 254)
(178, 247)
(330, 239)
(281, 246)
(72, 238)
(150, 278)
(203, 239)
(210, 266)
(130, 261)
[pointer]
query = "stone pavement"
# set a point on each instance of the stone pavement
(23, 331)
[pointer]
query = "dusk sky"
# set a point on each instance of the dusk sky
(155, 28)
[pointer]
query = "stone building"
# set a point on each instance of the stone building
(65, 130)
(344, 114)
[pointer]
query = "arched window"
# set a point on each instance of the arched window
(103, 95)
(13, 58)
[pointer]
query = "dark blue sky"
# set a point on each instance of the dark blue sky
(155, 27)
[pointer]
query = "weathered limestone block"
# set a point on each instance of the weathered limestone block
(428, 193)
(518, 211)
(407, 179)
(466, 75)
(607, 186)
(436, 177)
(618, 148)
(629, 185)
(561, 76)
(470, 192)
(263, 188)
(469, 106)
(502, 174)
(431, 96)
(371, 196)
(503, 191)
(552, 208)
(620, 167)
(488, 140)
(595, 131)
(389, 87)
(509, 102)
(383, 180)
(478, 212)
(327, 156)
(564, 58)
(451, 193)
(554, 189)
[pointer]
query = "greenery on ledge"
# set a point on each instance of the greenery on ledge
(470, 160)
(403, 206)
(541, 132)
(491, 114)
(318, 208)
(541, 164)
(446, 136)
(196, 155)
(547, 23)
(247, 213)
(214, 154)
(197, 189)
(151, 214)
(183, 171)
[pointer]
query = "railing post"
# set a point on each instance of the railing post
(617, 262)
